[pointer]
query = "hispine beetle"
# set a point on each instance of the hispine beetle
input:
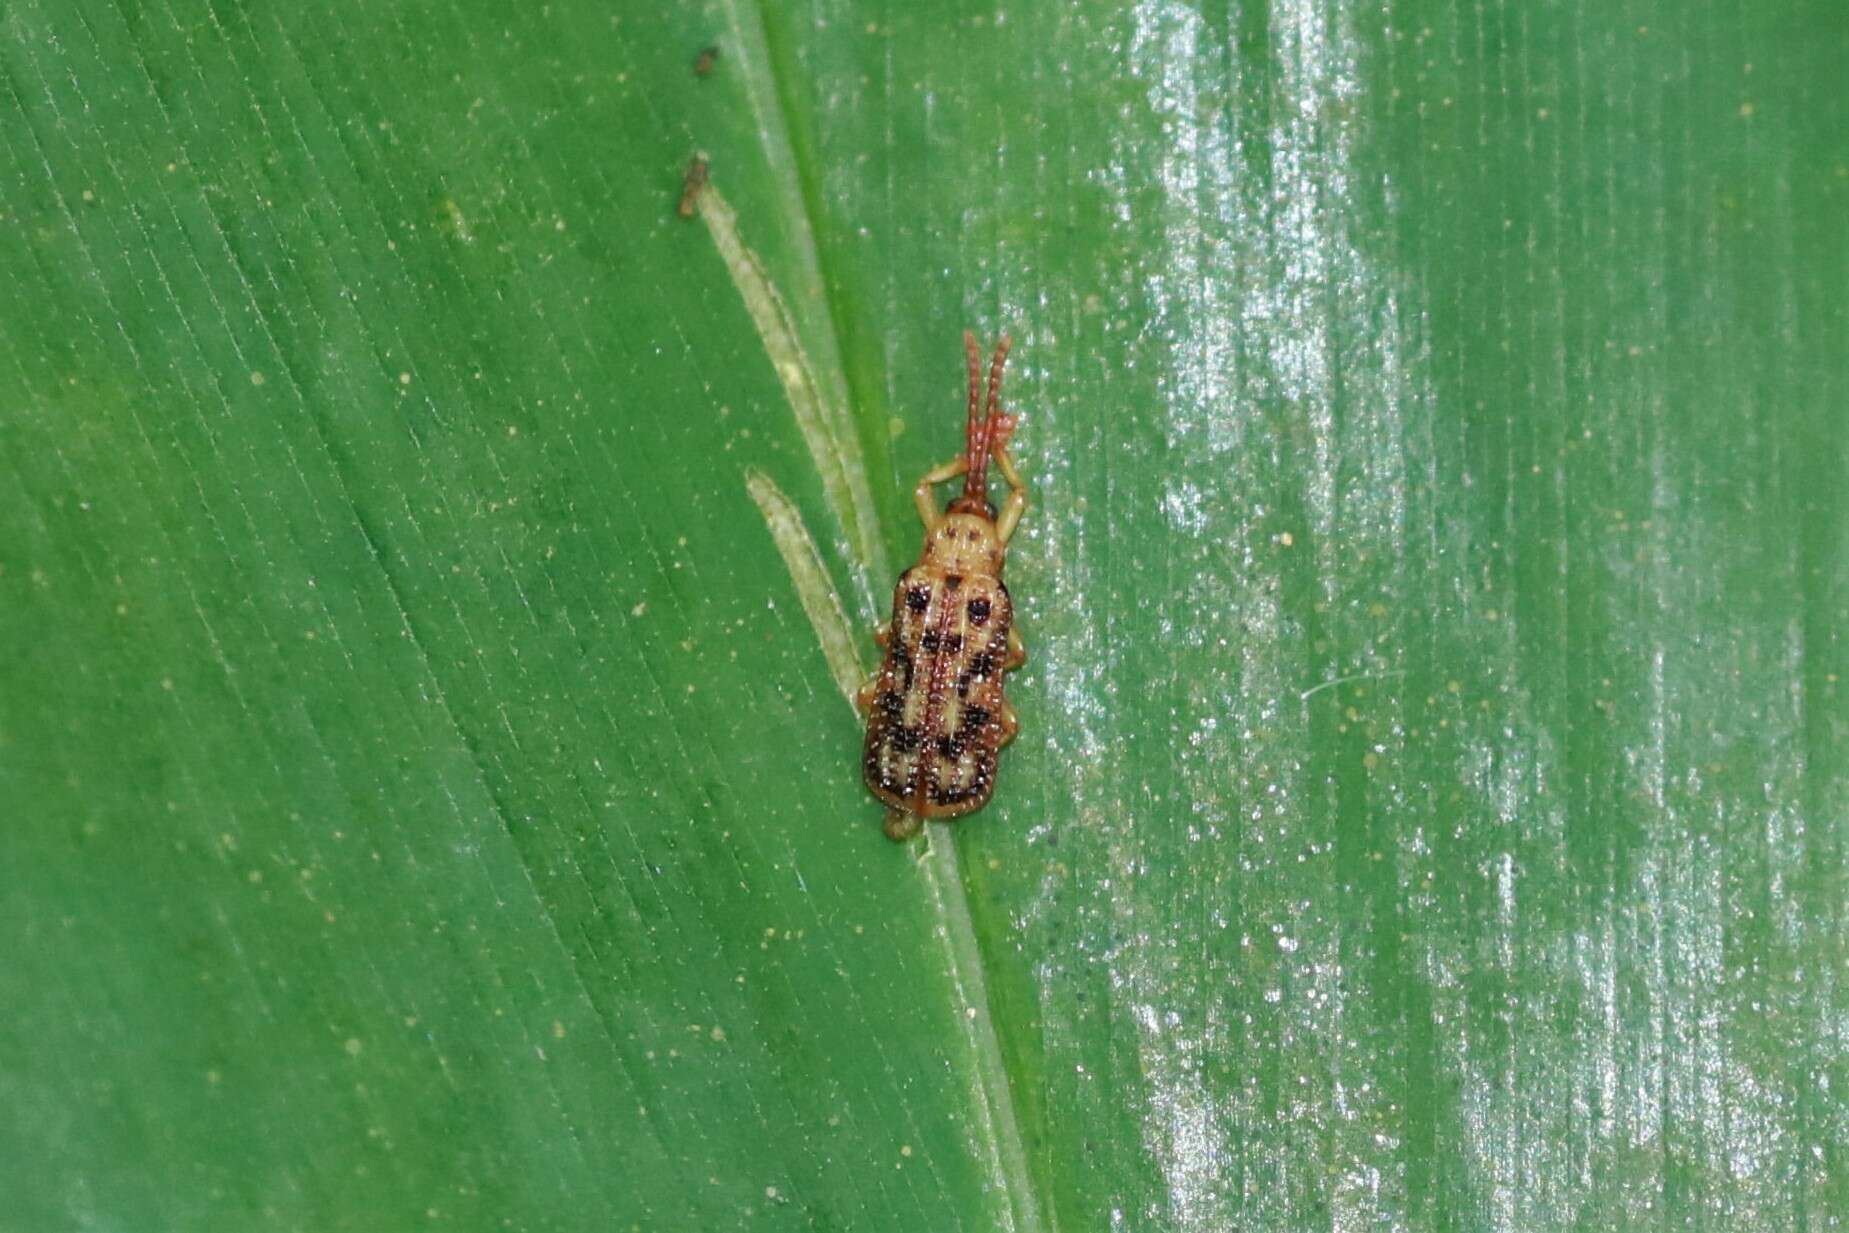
(936, 717)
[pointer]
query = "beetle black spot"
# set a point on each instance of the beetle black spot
(953, 643)
(891, 705)
(946, 747)
(979, 610)
(974, 718)
(930, 640)
(952, 581)
(951, 795)
(963, 686)
(907, 740)
(982, 665)
(918, 599)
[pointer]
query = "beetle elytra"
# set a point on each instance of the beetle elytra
(936, 715)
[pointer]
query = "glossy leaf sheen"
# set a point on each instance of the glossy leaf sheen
(427, 803)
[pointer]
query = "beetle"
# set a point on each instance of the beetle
(936, 715)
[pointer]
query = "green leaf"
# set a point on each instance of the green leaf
(423, 559)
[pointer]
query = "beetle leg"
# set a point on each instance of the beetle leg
(1017, 651)
(1011, 724)
(863, 697)
(882, 634)
(1016, 504)
(902, 825)
(921, 495)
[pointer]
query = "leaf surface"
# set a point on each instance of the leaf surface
(429, 802)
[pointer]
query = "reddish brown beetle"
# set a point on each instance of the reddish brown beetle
(936, 716)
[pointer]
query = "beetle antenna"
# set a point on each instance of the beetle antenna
(979, 437)
(995, 377)
(973, 428)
